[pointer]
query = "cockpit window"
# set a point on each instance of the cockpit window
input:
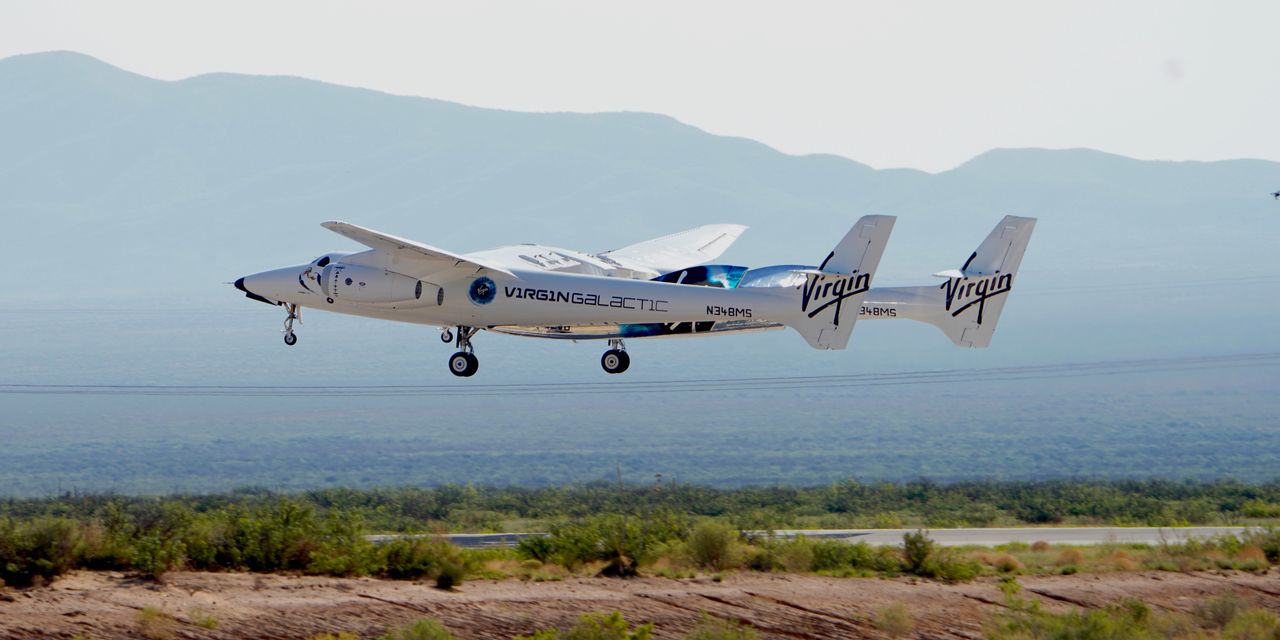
(322, 261)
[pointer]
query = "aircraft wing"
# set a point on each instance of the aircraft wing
(676, 251)
(430, 258)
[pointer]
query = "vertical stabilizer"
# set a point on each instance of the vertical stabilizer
(831, 295)
(967, 305)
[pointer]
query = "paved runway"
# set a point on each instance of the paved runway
(946, 537)
(1052, 535)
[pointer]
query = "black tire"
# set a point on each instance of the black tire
(615, 361)
(463, 364)
(290, 339)
(446, 337)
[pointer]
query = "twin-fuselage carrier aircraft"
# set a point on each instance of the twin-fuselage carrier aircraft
(655, 289)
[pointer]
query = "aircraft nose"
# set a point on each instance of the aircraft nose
(239, 284)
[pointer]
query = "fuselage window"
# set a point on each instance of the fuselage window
(322, 261)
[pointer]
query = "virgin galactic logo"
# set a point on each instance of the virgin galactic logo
(482, 291)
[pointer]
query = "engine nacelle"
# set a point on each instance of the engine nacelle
(358, 283)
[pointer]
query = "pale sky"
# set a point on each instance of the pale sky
(892, 84)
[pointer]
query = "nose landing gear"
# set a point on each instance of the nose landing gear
(464, 363)
(295, 313)
(615, 360)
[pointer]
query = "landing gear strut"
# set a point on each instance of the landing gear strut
(615, 360)
(295, 313)
(463, 363)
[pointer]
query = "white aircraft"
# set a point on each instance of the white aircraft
(658, 288)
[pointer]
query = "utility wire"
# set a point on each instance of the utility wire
(825, 382)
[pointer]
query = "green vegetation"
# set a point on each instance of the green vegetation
(677, 532)
(848, 504)
(425, 629)
(1226, 617)
(720, 629)
(596, 626)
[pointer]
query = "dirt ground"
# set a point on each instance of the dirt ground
(110, 605)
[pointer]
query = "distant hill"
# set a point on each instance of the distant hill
(128, 203)
(155, 188)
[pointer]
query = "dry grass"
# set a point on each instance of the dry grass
(1069, 557)
(153, 623)
(895, 620)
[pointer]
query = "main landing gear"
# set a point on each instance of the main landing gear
(615, 360)
(295, 313)
(464, 363)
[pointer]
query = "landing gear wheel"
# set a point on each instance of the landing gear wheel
(615, 361)
(295, 313)
(463, 364)
(446, 336)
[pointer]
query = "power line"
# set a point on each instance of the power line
(842, 381)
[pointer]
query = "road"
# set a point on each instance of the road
(1052, 535)
(945, 537)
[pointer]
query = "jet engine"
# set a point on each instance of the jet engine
(371, 285)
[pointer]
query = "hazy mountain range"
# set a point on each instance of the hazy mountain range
(129, 202)
(172, 188)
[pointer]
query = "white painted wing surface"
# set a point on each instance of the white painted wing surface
(678, 250)
(429, 258)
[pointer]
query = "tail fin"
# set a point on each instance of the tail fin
(831, 295)
(967, 306)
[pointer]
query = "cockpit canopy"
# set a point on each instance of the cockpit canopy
(324, 260)
(782, 275)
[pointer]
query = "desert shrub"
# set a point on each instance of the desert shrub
(341, 548)
(1259, 509)
(37, 551)
(1069, 557)
(596, 626)
(1253, 624)
(420, 557)
(1215, 613)
(1006, 563)
(833, 555)
(621, 541)
(1251, 558)
(203, 618)
(711, 545)
(451, 574)
(154, 623)
(153, 555)
(923, 557)
(917, 549)
(425, 629)
(795, 555)
(1267, 539)
(539, 548)
(894, 620)
(1039, 546)
(1025, 620)
(761, 557)
(710, 628)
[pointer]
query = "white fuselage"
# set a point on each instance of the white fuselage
(525, 297)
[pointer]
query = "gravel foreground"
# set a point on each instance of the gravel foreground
(109, 605)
